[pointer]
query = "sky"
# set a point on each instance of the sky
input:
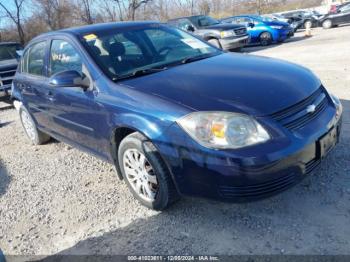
(4, 21)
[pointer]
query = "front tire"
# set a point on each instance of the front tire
(145, 172)
(327, 24)
(265, 39)
(33, 133)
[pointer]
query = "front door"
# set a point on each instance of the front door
(75, 114)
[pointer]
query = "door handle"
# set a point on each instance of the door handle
(50, 96)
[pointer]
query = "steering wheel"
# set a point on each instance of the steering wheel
(165, 50)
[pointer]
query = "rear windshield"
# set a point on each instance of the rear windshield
(8, 51)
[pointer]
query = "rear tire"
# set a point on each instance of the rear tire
(150, 182)
(265, 39)
(215, 43)
(327, 24)
(36, 136)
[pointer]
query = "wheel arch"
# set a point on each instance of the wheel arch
(270, 33)
(129, 124)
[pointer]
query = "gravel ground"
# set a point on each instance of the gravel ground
(56, 199)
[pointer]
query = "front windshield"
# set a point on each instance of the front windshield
(122, 54)
(8, 51)
(266, 18)
(204, 21)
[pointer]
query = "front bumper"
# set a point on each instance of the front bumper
(248, 174)
(5, 88)
(280, 35)
(234, 42)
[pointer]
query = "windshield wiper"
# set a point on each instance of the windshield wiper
(140, 72)
(195, 58)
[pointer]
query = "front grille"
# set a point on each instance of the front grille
(6, 77)
(298, 115)
(259, 190)
(312, 165)
(240, 31)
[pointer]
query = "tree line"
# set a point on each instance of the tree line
(21, 20)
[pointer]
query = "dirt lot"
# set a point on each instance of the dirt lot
(55, 199)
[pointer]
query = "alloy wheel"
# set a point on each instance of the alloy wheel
(327, 24)
(308, 24)
(140, 174)
(28, 125)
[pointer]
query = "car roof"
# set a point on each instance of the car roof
(185, 17)
(82, 30)
(251, 16)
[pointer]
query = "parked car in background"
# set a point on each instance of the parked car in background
(341, 16)
(302, 18)
(262, 30)
(276, 17)
(333, 9)
(179, 119)
(9, 55)
(224, 36)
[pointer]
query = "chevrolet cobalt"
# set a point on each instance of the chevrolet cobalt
(174, 114)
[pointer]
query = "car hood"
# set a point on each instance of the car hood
(231, 82)
(223, 26)
(10, 63)
(277, 23)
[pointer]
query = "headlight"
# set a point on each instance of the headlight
(223, 130)
(337, 104)
(224, 34)
(276, 27)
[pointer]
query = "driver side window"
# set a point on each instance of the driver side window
(63, 57)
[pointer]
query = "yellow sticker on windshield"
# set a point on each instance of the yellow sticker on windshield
(90, 37)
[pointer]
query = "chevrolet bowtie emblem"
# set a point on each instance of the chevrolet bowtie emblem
(310, 109)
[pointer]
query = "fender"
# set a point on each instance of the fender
(15, 93)
(127, 123)
(151, 129)
(209, 35)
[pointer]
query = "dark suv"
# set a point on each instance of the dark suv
(224, 36)
(8, 64)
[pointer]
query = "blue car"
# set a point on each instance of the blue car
(263, 30)
(174, 114)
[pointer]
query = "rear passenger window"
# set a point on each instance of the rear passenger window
(63, 57)
(34, 59)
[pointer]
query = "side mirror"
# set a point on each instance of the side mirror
(251, 25)
(70, 78)
(19, 53)
(190, 28)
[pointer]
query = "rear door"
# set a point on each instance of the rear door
(31, 80)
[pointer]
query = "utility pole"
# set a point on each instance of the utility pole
(258, 3)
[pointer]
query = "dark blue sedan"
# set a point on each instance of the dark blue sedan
(263, 30)
(175, 115)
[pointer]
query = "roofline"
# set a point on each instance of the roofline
(182, 17)
(11, 43)
(75, 31)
